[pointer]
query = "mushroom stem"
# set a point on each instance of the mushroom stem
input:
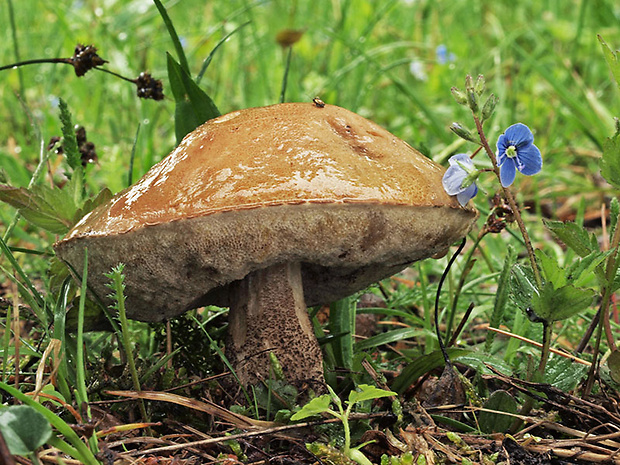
(268, 315)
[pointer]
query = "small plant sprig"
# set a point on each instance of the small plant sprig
(515, 152)
(117, 285)
(546, 291)
(85, 58)
(321, 404)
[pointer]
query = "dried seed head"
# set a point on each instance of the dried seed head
(148, 87)
(85, 58)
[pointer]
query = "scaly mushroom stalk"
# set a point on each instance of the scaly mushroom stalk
(268, 315)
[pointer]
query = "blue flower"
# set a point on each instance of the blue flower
(442, 55)
(516, 151)
(460, 178)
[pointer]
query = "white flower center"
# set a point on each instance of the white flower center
(511, 151)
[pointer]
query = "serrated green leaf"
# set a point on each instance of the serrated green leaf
(35, 208)
(551, 269)
(24, 429)
(316, 406)
(574, 236)
(368, 392)
(193, 105)
(558, 304)
(90, 204)
(580, 272)
(611, 58)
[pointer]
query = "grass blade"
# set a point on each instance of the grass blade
(82, 452)
(173, 35)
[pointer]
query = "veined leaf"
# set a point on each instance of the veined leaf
(316, 406)
(553, 273)
(558, 304)
(368, 392)
(523, 286)
(574, 236)
(580, 271)
(35, 208)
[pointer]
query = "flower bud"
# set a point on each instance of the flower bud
(472, 101)
(459, 96)
(489, 106)
(480, 85)
(469, 83)
(462, 132)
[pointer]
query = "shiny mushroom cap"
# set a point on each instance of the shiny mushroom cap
(289, 183)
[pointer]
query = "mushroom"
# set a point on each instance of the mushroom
(267, 211)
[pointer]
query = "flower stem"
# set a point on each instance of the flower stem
(513, 204)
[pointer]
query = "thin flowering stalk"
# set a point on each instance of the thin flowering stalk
(511, 201)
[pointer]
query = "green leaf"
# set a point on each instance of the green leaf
(614, 210)
(581, 271)
(564, 374)
(368, 392)
(316, 406)
(501, 297)
(423, 365)
(387, 338)
(193, 105)
(35, 207)
(24, 429)
(522, 286)
(479, 361)
(69, 145)
(574, 236)
(173, 34)
(611, 58)
(610, 162)
(613, 363)
(553, 273)
(558, 304)
(90, 204)
(500, 401)
(342, 322)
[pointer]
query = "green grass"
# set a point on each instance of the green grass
(541, 58)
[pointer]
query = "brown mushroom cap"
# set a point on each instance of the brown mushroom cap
(323, 187)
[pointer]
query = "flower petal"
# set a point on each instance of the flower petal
(507, 172)
(461, 159)
(502, 145)
(467, 194)
(453, 179)
(529, 160)
(519, 135)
